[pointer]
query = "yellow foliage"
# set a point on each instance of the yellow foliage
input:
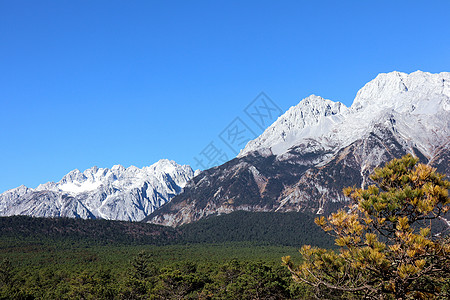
(411, 252)
(420, 263)
(395, 247)
(320, 221)
(402, 223)
(343, 241)
(371, 238)
(404, 191)
(286, 260)
(406, 270)
(425, 231)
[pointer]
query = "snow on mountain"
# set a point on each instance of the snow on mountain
(407, 100)
(118, 193)
(312, 116)
(306, 157)
(411, 88)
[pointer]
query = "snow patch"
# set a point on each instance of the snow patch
(77, 188)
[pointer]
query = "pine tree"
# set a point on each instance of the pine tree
(386, 247)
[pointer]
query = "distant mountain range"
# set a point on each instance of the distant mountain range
(118, 193)
(299, 163)
(304, 159)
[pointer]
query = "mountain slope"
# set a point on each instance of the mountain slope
(118, 193)
(303, 160)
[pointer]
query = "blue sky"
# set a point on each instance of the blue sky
(86, 83)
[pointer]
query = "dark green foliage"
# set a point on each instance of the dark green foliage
(222, 257)
(141, 267)
(102, 232)
(289, 229)
(5, 272)
(254, 280)
(226, 271)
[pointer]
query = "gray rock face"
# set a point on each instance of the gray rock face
(304, 160)
(118, 193)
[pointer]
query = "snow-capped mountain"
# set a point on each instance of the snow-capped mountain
(318, 147)
(312, 116)
(118, 193)
(410, 99)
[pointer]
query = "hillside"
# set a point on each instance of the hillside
(287, 229)
(318, 147)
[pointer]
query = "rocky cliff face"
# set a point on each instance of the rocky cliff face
(304, 160)
(118, 193)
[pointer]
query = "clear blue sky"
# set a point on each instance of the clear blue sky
(86, 83)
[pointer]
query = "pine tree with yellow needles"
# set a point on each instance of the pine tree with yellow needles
(386, 249)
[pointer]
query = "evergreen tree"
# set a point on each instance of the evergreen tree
(6, 272)
(386, 246)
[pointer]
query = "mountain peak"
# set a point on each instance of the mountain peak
(22, 189)
(118, 168)
(74, 175)
(387, 87)
(164, 163)
(313, 100)
(308, 113)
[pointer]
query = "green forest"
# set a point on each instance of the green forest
(383, 248)
(223, 257)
